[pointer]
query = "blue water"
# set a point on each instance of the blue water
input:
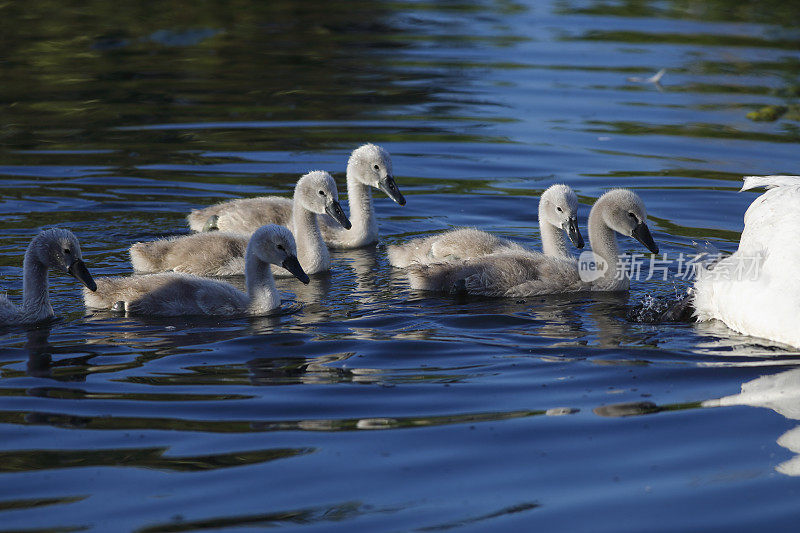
(363, 405)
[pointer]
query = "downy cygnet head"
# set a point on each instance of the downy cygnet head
(624, 212)
(559, 206)
(59, 250)
(275, 245)
(371, 165)
(317, 192)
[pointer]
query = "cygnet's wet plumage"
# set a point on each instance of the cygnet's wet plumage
(756, 291)
(56, 249)
(176, 294)
(369, 166)
(558, 214)
(222, 253)
(531, 273)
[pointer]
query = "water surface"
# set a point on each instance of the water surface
(365, 405)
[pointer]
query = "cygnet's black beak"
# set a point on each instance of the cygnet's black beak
(574, 234)
(79, 271)
(335, 210)
(293, 265)
(388, 186)
(642, 234)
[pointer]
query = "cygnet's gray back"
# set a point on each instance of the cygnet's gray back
(203, 254)
(454, 245)
(244, 215)
(509, 274)
(168, 294)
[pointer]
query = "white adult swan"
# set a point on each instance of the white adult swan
(52, 248)
(558, 214)
(175, 294)
(368, 166)
(532, 273)
(222, 253)
(756, 291)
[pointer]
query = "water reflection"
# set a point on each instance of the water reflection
(305, 516)
(583, 319)
(559, 320)
(73, 367)
(310, 371)
(315, 295)
(781, 393)
(36, 503)
(371, 280)
(358, 283)
(715, 338)
(746, 11)
(608, 312)
(382, 423)
(323, 64)
(39, 353)
(163, 336)
(191, 426)
(471, 519)
(152, 458)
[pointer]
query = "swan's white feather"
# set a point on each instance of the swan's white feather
(756, 291)
(753, 182)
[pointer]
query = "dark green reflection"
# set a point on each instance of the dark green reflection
(781, 12)
(514, 509)
(79, 394)
(624, 409)
(697, 39)
(711, 131)
(31, 503)
(32, 460)
(337, 513)
(250, 426)
(74, 75)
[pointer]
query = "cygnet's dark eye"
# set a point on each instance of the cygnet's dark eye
(281, 248)
(322, 193)
(632, 216)
(377, 167)
(559, 209)
(66, 251)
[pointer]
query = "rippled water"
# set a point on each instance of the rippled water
(364, 405)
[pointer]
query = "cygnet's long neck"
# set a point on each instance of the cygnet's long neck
(603, 241)
(312, 252)
(362, 213)
(35, 300)
(261, 289)
(553, 241)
